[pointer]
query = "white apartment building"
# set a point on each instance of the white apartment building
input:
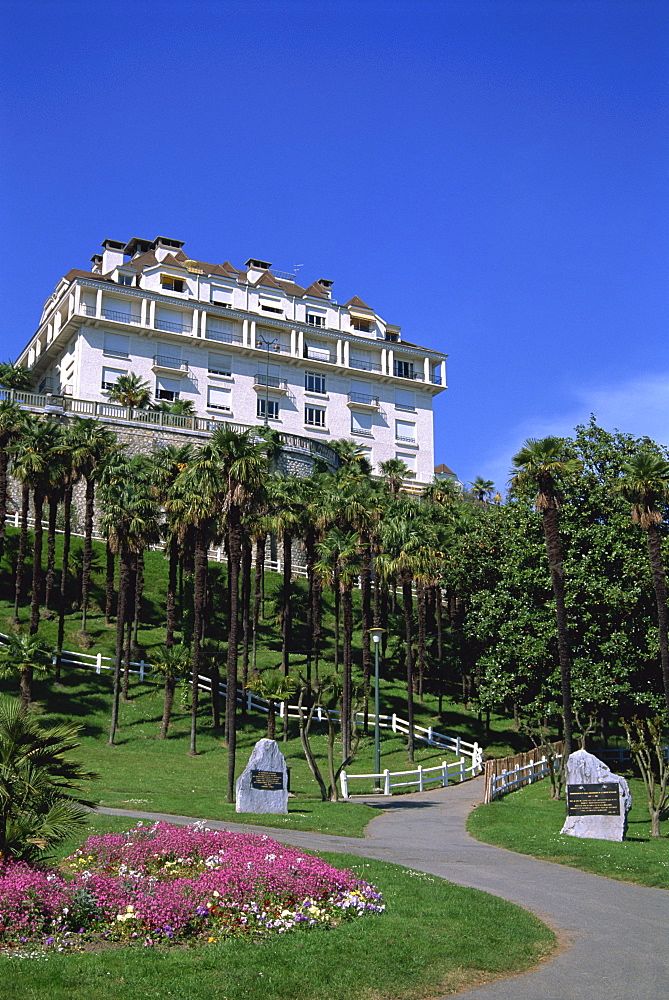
(248, 346)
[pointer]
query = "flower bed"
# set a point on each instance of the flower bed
(165, 883)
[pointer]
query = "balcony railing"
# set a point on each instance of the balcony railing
(170, 327)
(120, 317)
(363, 399)
(436, 379)
(318, 354)
(361, 430)
(174, 364)
(406, 440)
(221, 337)
(364, 366)
(270, 381)
(410, 373)
(409, 407)
(86, 310)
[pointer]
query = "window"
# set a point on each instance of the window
(168, 389)
(117, 345)
(221, 297)
(125, 279)
(171, 284)
(314, 416)
(403, 369)
(361, 423)
(317, 352)
(408, 459)
(362, 325)
(314, 319)
(219, 398)
(404, 431)
(220, 364)
(271, 305)
(110, 376)
(272, 408)
(405, 399)
(314, 382)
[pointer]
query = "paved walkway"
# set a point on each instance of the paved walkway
(614, 936)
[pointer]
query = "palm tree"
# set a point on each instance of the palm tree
(285, 520)
(15, 377)
(178, 407)
(41, 802)
(275, 688)
(394, 471)
(11, 422)
(166, 465)
(482, 488)
(173, 662)
(130, 390)
(539, 464)
(646, 487)
(26, 656)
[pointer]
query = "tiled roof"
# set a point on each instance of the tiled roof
(316, 291)
(357, 303)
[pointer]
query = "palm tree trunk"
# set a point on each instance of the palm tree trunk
(286, 610)
(38, 506)
(660, 587)
(554, 552)
(20, 558)
(261, 541)
(170, 602)
(64, 569)
(234, 559)
(123, 585)
(421, 601)
(407, 601)
(366, 616)
(347, 608)
(109, 584)
(139, 592)
(4, 462)
(130, 601)
(246, 611)
(199, 604)
(50, 556)
(170, 685)
(271, 719)
(337, 616)
(88, 550)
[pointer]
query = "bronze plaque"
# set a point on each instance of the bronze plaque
(594, 800)
(267, 781)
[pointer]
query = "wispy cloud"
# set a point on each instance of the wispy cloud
(639, 406)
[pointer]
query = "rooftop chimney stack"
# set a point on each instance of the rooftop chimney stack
(113, 255)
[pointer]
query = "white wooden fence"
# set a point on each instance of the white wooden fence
(511, 780)
(253, 703)
(443, 774)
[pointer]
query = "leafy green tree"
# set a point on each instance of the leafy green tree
(15, 377)
(646, 487)
(541, 463)
(11, 423)
(274, 687)
(41, 799)
(647, 741)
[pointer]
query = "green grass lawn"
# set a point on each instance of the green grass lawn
(529, 822)
(434, 938)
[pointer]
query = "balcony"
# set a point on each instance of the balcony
(86, 310)
(169, 327)
(405, 440)
(221, 337)
(362, 401)
(175, 366)
(408, 407)
(270, 382)
(364, 366)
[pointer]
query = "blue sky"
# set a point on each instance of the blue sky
(489, 174)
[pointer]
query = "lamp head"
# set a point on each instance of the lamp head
(376, 633)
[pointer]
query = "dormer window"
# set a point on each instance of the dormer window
(125, 279)
(361, 325)
(314, 319)
(171, 284)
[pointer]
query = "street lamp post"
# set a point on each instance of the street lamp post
(376, 634)
(267, 344)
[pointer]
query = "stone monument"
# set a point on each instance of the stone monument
(598, 801)
(263, 786)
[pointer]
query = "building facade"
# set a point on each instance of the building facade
(247, 346)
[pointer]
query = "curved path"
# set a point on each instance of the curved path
(614, 936)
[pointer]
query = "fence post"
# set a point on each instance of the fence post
(394, 723)
(516, 780)
(141, 667)
(457, 746)
(16, 518)
(504, 779)
(98, 663)
(444, 767)
(420, 777)
(344, 784)
(462, 769)
(386, 782)
(429, 734)
(282, 706)
(249, 701)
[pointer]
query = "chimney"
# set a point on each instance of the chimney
(96, 263)
(164, 246)
(326, 285)
(113, 255)
(255, 268)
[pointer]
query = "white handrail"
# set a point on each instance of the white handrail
(509, 781)
(422, 775)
